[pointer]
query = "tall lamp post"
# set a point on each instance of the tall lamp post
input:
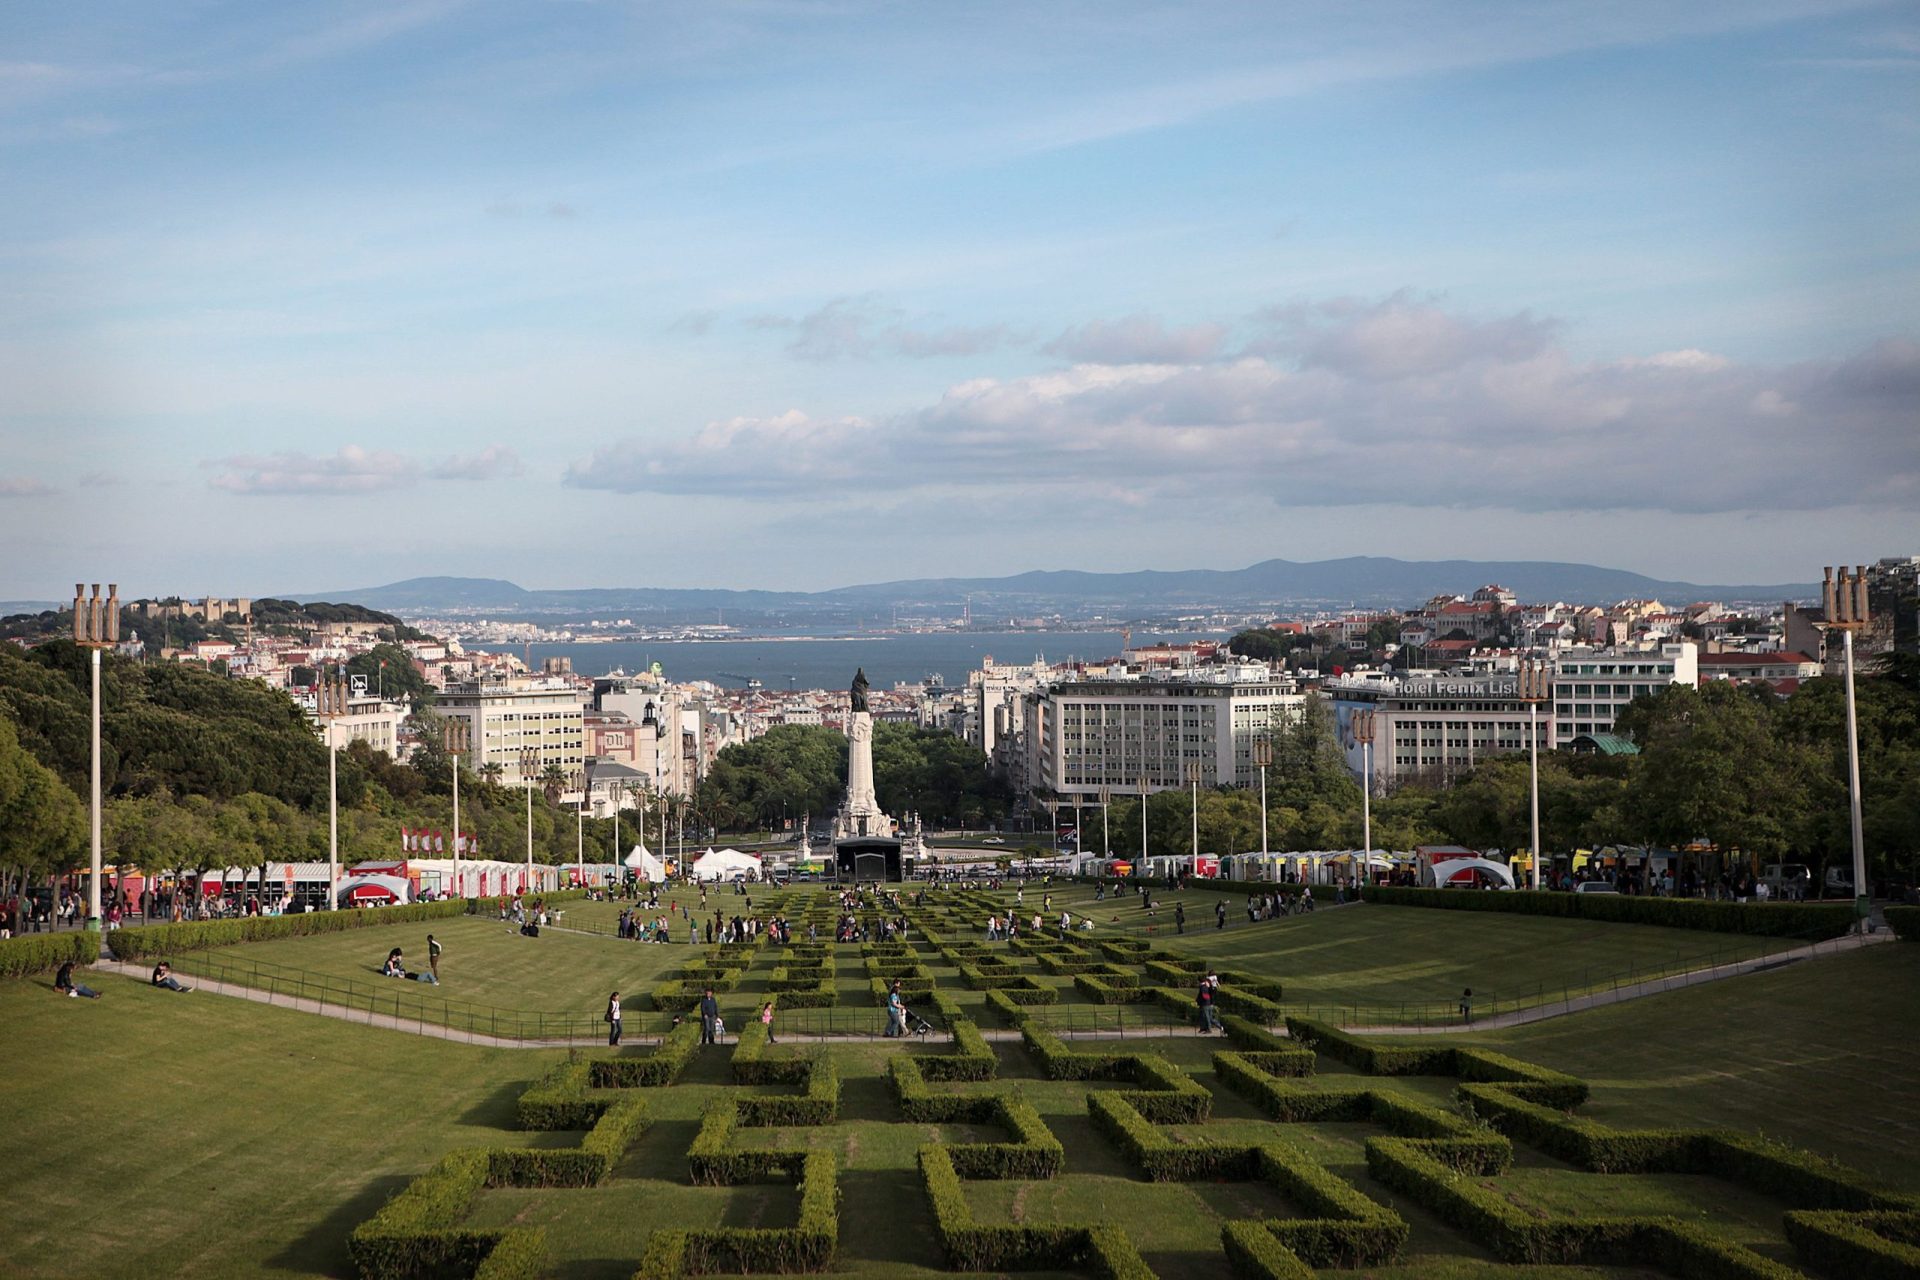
(1363, 730)
(456, 737)
(1263, 760)
(1106, 798)
(329, 704)
(529, 765)
(96, 626)
(1141, 869)
(1193, 782)
(1536, 686)
(1846, 605)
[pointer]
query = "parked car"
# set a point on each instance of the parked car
(1787, 880)
(1837, 883)
(1594, 886)
(993, 840)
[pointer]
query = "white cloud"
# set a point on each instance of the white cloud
(22, 487)
(1138, 339)
(860, 328)
(354, 470)
(1397, 402)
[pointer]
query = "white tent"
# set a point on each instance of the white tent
(645, 864)
(724, 864)
(354, 888)
(1439, 874)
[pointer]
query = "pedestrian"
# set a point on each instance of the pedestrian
(766, 1019)
(1209, 1021)
(896, 1011)
(433, 958)
(709, 1018)
(1466, 1006)
(613, 1019)
(1220, 914)
(1179, 917)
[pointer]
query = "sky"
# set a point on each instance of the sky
(298, 298)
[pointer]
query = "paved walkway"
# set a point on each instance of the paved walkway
(1523, 1017)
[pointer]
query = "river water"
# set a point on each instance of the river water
(829, 662)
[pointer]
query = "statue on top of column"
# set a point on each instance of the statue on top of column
(859, 689)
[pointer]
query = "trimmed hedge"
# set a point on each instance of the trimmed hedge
(1253, 1253)
(819, 1103)
(807, 1246)
(1812, 921)
(586, 1165)
(972, 1057)
(157, 941)
(42, 952)
(417, 1233)
(1861, 1246)
(661, 1066)
(971, 1247)
(558, 1100)
(1904, 921)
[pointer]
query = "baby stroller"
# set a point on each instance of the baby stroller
(917, 1025)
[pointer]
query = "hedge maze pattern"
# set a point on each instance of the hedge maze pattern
(1449, 1161)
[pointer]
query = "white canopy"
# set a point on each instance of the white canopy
(649, 867)
(1438, 874)
(399, 888)
(724, 863)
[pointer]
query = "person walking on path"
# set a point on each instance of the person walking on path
(709, 1017)
(1179, 917)
(896, 1011)
(1220, 914)
(613, 1020)
(766, 1019)
(1466, 1006)
(1209, 1020)
(433, 958)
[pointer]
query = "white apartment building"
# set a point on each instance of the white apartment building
(668, 729)
(1089, 734)
(368, 720)
(1428, 723)
(1592, 686)
(508, 718)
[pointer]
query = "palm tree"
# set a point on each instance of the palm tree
(491, 772)
(553, 780)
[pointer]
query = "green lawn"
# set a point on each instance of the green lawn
(154, 1134)
(1820, 1054)
(150, 1133)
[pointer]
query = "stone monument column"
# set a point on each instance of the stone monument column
(860, 798)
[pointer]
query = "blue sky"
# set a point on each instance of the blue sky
(795, 295)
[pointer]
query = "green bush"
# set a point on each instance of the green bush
(818, 1103)
(1808, 920)
(1373, 1058)
(1860, 1246)
(662, 1065)
(417, 1233)
(158, 941)
(558, 1100)
(970, 1247)
(972, 1057)
(807, 1246)
(1254, 1253)
(43, 952)
(1904, 921)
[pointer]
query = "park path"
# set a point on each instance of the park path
(1565, 1007)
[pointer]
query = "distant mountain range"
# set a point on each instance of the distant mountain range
(1361, 581)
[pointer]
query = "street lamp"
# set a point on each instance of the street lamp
(1536, 685)
(1846, 607)
(455, 736)
(1143, 825)
(329, 704)
(96, 626)
(1363, 729)
(1263, 760)
(1106, 798)
(529, 764)
(1193, 781)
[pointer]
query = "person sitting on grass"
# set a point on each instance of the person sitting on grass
(64, 984)
(163, 977)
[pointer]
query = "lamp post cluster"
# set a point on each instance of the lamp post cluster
(457, 737)
(1263, 761)
(529, 766)
(96, 626)
(1363, 730)
(1846, 611)
(1536, 686)
(329, 705)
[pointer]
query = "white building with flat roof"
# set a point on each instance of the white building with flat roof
(1592, 686)
(1429, 724)
(1112, 732)
(508, 718)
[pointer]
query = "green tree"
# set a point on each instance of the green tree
(43, 826)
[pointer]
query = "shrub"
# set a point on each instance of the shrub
(819, 1103)
(661, 1066)
(1809, 920)
(972, 1057)
(1904, 921)
(1374, 1059)
(807, 1246)
(558, 1100)
(153, 941)
(1253, 1253)
(1861, 1246)
(417, 1233)
(41, 952)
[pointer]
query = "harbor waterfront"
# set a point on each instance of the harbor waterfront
(822, 662)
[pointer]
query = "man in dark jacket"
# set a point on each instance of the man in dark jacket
(709, 1017)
